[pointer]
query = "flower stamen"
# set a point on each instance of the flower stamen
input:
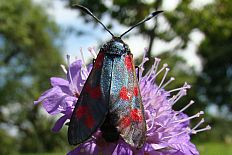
(189, 118)
(64, 69)
(188, 105)
(165, 74)
(168, 82)
(186, 86)
(92, 51)
(73, 87)
(153, 68)
(208, 127)
(198, 124)
(179, 96)
(186, 130)
(141, 67)
(83, 59)
(153, 78)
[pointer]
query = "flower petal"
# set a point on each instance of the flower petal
(78, 73)
(56, 81)
(46, 94)
(59, 123)
(63, 84)
(88, 147)
(55, 100)
(122, 149)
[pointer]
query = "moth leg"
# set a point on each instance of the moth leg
(137, 67)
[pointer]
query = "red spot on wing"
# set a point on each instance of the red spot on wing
(128, 62)
(99, 60)
(125, 121)
(136, 115)
(81, 111)
(95, 92)
(89, 121)
(125, 94)
(136, 91)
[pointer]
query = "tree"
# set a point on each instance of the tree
(126, 12)
(129, 13)
(214, 85)
(29, 56)
(213, 20)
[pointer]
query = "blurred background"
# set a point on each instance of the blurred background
(193, 36)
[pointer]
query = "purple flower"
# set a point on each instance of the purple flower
(63, 95)
(168, 131)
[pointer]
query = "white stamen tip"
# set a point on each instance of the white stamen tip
(193, 132)
(208, 127)
(64, 69)
(202, 120)
(201, 112)
(157, 59)
(165, 65)
(146, 59)
(167, 69)
(169, 81)
(198, 124)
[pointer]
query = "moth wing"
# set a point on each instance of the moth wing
(92, 105)
(126, 103)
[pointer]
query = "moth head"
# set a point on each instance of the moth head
(116, 46)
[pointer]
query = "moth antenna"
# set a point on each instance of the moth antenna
(153, 14)
(86, 10)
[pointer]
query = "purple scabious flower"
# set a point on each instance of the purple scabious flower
(168, 131)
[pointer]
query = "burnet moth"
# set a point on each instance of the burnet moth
(110, 99)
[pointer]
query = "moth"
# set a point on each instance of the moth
(110, 99)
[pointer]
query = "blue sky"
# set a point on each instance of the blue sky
(72, 43)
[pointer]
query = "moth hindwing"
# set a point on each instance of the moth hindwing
(110, 99)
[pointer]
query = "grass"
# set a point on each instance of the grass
(204, 148)
(215, 149)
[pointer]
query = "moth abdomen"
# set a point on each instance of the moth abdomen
(109, 131)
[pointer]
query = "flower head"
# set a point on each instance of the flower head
(168, 131)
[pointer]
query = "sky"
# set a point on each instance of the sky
(72, 43)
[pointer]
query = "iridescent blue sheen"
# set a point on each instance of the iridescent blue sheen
(116, 47)
(108, 100)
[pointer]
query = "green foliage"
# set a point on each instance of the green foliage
(214, 85)
(221, 131)
(29, 56)
(27, 38)
(214, 148)
(7, 142)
